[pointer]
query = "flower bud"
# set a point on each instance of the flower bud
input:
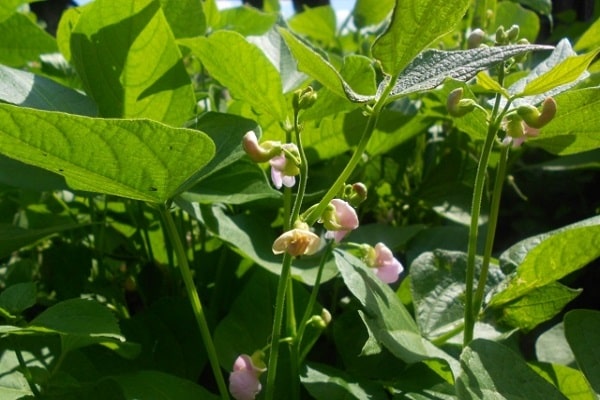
(304, 98)
(475, 38)
(513, 33)
(513, 125)
(536, 119)
(457, 106)
(259, 153)
(357, 193)
(339, 218)
(501, 37)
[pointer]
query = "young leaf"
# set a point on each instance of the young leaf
(576, 126)
(431, 67)
(138, 159)
(492, 371)
(243, 69)
(25, 89)
(566, 72)
(128, 61)
(319, 69)
(413, 28)
(22, 40)
(555, 257)
(582, 329)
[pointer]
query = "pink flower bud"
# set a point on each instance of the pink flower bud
(387, 267)
(339, 218)
(243, 381)
(284, 167)
(258, 153)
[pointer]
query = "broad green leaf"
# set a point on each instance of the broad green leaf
(29, 90)
(324, 383)
(371, 12)
(9, 7)
(438, 287)
(493, 371)
(138, 159)
(128, 61)
(238, 183)
(313, 64)
(590, 39)
(316, 23)
(155, 385)
(576, 126)
(582, 330)
(552, 347)
(185, 17)
(413, 28)
(22, 40)
(488, 83)
(385, 316)
(431, 67)
(538, 305)
(243, 69)
(565, 72)
(555, 257)
(561, 52)
(543, 7)
(17, 298)
(13, 238)
(509, 14)
(569, 381)
(246, 20)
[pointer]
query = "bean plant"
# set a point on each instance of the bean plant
(203, 203)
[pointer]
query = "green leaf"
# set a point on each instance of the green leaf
(29, 90)
(492, 371)
(570, 381)
(9, 7)
(18, 297)
(509, 14)
(576, 126)
(438, 287)
(543, 7)
(552, 347)
(582, 330)
(538, 305)
(22, 40)
(155, 385)
(138, 159)
(185, 17)
(555, 257)
(385, 316)
(319, 69)
(324, 383)
(431, 67)
(565, 72)
(13, 238)
(590, 39)
(246, 20)
(316, 23)
(243, 69)
(412, 29)
(128, 61)
(371, 12)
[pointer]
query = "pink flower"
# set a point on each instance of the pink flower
(283, 168)
(243, 381)
(259, 153)
(387, 267)
(297, 242)
(339, 219)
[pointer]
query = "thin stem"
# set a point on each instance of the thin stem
(277, 321)
(26, 372)
(491, 230)
(186, 274)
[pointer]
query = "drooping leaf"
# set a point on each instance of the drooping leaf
(412, 29)
(128, 61)
(158, 385)
(570, 381)
(17, 298)
(185, 17)
(431, 67)
(319, 69)
(29, 90)
(582, 330)
(371, 12)
(576, 126)
(553, 258)
(493, 371)
(138, 159)
(324, 383)
(22, 40)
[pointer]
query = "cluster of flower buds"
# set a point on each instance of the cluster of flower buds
(284, 158)
(244, 383)
(381, 258)
(527, 121)
(304, 98)
(504, 37)
(457, 106)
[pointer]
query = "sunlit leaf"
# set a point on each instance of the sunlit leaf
(569, 381)
(590, 39)
(316, 23)
(185, 17)
(22, 40)
(371, 12)
(246, 20)
(582, 330)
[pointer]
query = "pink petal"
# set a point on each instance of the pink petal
(276, 177)
(244, 385)
(346, 214)
(389, 272)
(288, 181)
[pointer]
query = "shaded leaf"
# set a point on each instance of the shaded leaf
(22, 40)
(412, 29)
(126, 56)
(17, 298)
(138, 159)
(492, 371)
(13, 238)
(552, 347)
(154, 385)
(582, 330)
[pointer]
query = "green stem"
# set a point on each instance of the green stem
(25, 371)
(186, 274)
(277, 321)
(491, 230)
